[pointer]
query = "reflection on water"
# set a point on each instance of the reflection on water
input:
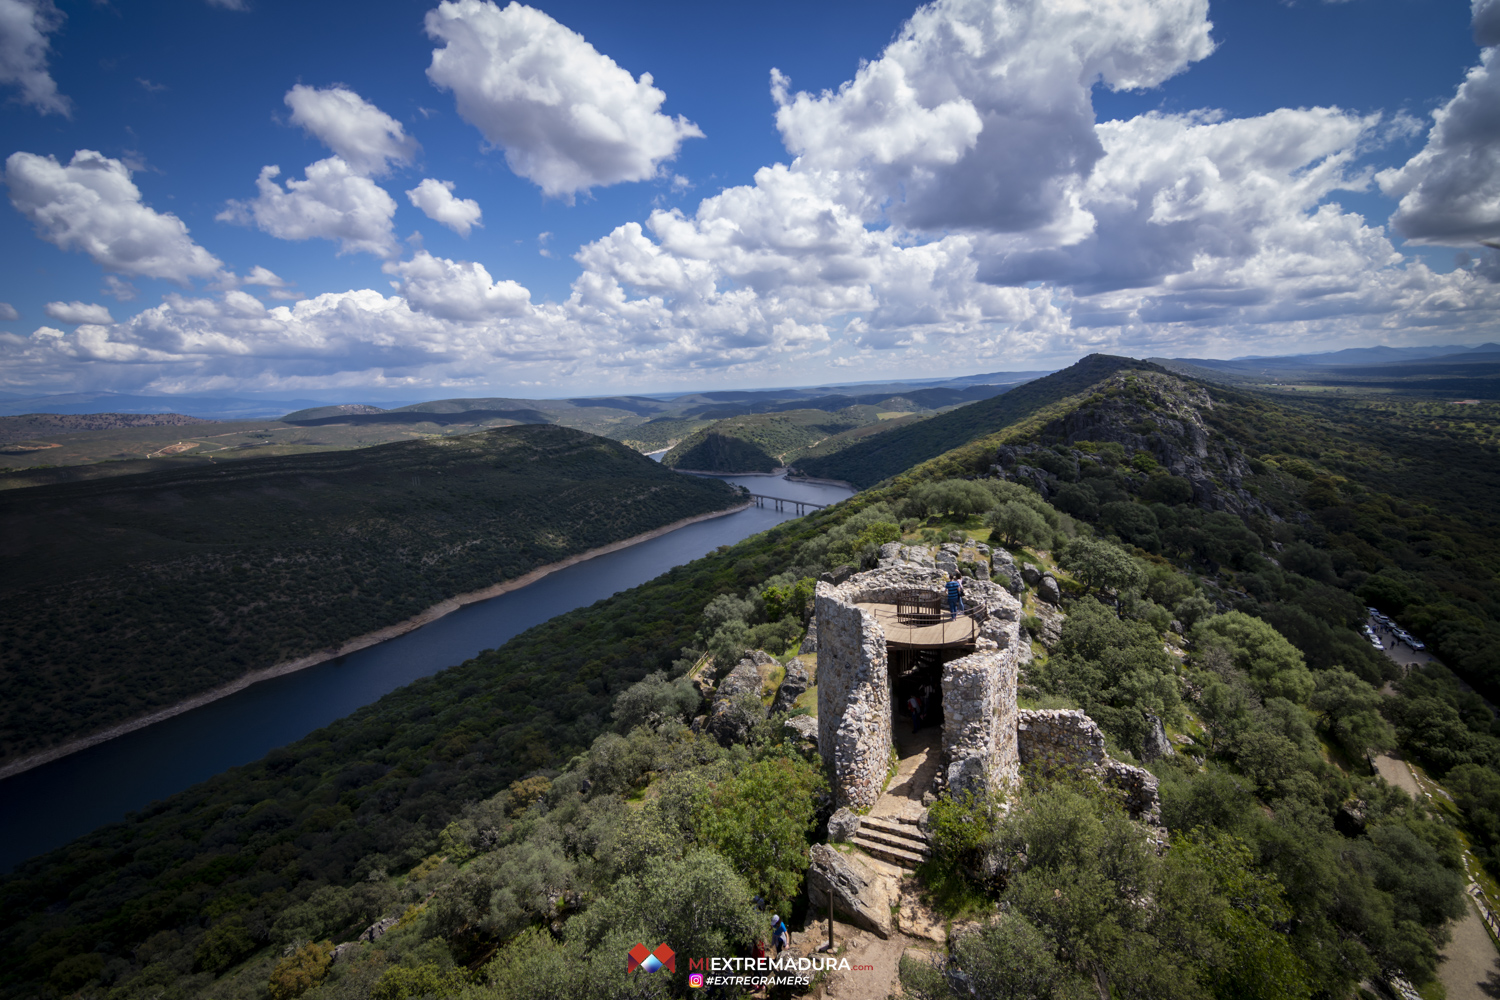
(47, 806)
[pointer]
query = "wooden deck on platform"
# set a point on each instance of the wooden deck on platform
(962, 631)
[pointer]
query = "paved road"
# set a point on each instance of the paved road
(1469, 960)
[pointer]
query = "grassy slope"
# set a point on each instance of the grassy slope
(124, 595)
(881, 456)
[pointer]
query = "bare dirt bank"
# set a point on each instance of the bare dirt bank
(350, 646)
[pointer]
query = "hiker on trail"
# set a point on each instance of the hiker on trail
(781, 937)
(955, 595)
(914, 706)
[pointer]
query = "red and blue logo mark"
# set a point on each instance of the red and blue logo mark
(651, 961)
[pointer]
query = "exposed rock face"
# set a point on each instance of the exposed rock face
(803, 727)
(1052, 623)
(1156, 744)
(843, 825)
(1048, 590)
(727, 720)
(810, 640)
(860, 895)
(1031, 573)
(793, 686)
(1150, 412)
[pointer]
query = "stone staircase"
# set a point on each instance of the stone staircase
(896, 840)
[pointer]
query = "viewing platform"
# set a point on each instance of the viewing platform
(926, 630)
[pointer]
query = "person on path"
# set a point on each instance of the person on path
(914, 707)
(955, 595)
(781, 937)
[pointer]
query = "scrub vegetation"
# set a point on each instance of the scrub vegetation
(528, 815)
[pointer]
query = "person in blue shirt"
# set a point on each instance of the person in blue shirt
(955, 596)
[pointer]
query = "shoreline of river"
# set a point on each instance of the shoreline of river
(353, 645)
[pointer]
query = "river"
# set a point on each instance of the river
(50, 805)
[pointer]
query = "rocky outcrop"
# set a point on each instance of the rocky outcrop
(728, 720)
(810, 640)
(1155, 745)
(1143, 412)
(843, 825)
(1048, 590)
(804, 728)
(1051, 620)
(793, 686)
(861, 896)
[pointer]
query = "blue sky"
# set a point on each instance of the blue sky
(971, 186)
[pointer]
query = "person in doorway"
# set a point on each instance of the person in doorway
(914, 707)
(955, 595)
(781, 937)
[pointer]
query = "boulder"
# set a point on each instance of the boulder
(728, 721)
(967, 776)
(803, 727)
(1156, 744)
(810, 641)
(1031, 573)
(861, 896)
(792, 687)
(1052, 620)
(1048, 590)
(839, 575)
(843, 825)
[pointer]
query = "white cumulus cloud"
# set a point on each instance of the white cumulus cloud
(334, 202)
(78, 312)
(366, 138)
(1450, 190)
(458, 290)
(568, 117)
(436, 200)
(24, 27)
(92, 205)
(8, 312)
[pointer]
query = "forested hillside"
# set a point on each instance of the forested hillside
(124, 595)
(867, 461)
(525, 817)
(762, 442)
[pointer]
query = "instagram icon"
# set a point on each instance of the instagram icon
(696, 980)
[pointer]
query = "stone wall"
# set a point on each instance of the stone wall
(1051, 738)
(854, 699)
(979, 690)
(979, 718)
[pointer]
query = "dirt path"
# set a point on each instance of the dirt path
(874, 965)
